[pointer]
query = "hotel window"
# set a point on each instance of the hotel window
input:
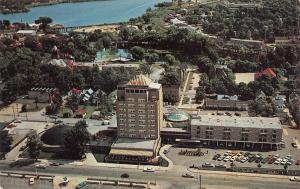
(274, 131)
(131, 120)
(131, 115)
(152, 111)
(132, 135)
(141, 111)
(131, 125)
(121, 120)
(153, 136)
(151, 106)
(152, 121)
(263, 131)
(131, 110)
(131, 106)
(143, 122)
(142, 131)
(130, 99)
(152, 116)
(142, 116)
(141, 106)
(141, 100)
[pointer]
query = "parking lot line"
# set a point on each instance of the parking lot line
(285, 132)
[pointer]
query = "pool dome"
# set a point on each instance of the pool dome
(178, 116)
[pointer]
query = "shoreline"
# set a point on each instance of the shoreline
(33, 5)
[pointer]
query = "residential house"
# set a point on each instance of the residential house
(81, 113)
(279, 102)
(267, 72)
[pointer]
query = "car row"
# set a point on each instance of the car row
(257, 158)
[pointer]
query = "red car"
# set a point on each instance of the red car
(297, 162)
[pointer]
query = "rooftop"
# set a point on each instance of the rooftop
(140, 80)
(136, 144)
(228, 121)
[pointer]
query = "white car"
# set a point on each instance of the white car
(276, 156)
(188, 175)
(284, 161)
(220, 158)
(227, 158)
(296, 179)
(41, 166)
(244, 159)
(278, 161)
(31, 181)
(148, 169)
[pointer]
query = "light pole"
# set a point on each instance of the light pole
(200, 181)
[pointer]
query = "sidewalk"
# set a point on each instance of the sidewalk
(238, 174)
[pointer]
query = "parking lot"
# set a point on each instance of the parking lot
(17, 183)
(239, 158)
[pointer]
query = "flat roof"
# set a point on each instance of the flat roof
(154, 85)
(173, 129)
(131, 143)
(235, 121)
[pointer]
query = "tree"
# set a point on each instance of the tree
(33, 144)
(200, 94)
(151, 57)
(137, 52)
(259, 165)
(5, 141)
(77, 138)
(285, 167)
(145, 68)
(170, 59)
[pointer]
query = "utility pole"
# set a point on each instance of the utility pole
(200, 181)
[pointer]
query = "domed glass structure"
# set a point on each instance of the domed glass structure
(178, 116)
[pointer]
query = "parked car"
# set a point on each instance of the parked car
(81, 185)
(296, 179)
(31, 181)
(278, 161)
(148, 169)
(237, 114)
(297, 162)
(220, 158)
(216, 156)
(244, 159)
(206, 164)
(227, 158)
(221, 166)
(188, 175)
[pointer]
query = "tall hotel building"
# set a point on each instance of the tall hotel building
(139, 109)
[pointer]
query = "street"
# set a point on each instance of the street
(166, 179)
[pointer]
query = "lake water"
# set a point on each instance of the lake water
(86, 13)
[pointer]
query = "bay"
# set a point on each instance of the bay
(86, 13)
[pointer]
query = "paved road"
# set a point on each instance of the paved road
(170, 179)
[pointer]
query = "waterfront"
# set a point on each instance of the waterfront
(86, 13)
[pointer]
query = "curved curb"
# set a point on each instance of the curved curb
(162, 155)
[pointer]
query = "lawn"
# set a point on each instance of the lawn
(89, 109)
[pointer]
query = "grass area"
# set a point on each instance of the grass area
(64, 110)
(89, 109)
(157, 19)
(32, 106)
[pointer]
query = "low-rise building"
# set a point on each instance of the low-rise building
(251, 132)
(214, 104)
(41, 94)
(266, 72)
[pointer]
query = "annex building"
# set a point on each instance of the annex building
(251, 132)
